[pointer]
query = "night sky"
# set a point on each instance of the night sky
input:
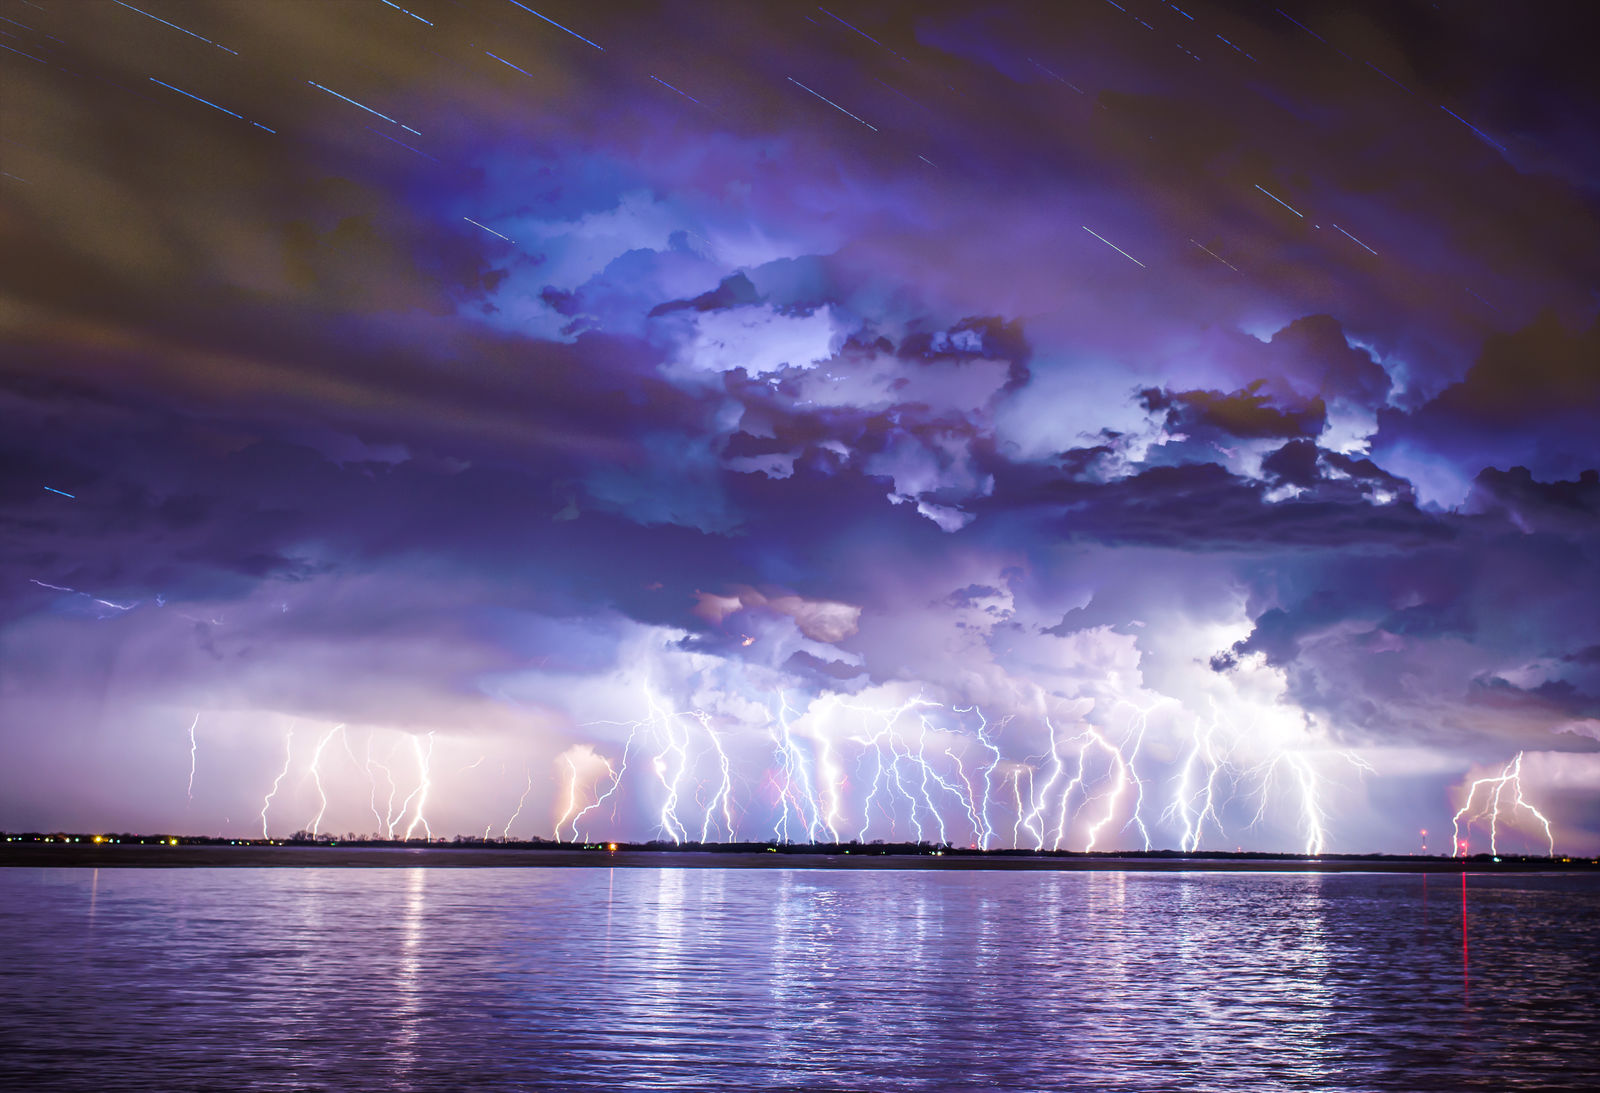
(1088, 423)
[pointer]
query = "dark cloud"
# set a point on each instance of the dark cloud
(1552, 694)
(1247, 413)
(1205, 507)
(1294, 463)
(1532, 397)
(1563, 506)
(735, 291)
(1315, 351)
(1524, 377)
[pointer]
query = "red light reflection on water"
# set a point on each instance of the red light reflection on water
(1464, 979)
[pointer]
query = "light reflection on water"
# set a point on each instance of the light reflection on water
(266, 979)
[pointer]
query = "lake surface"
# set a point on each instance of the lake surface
(503, 979)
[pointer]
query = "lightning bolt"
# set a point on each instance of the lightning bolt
(987, 836)
(506, 833)
(1120, 767)
(266, 802)
(1184, 805)
(616, 779)
(1511, 775)
(894, 773)
(316, 778)
(572, 801)
(888, 742)
(968, 801)
(385, 819)
(669, 815)
(877, 781)
(792, 766)
(674, 766)
(1142, 723)
(193, 752)
(420, 794)
(677, 746)
(832, 783)
(724, 793)
(1056, 767)
(921, 762)
(1077, 780)
(980, 831)
(1016, 788)
(1310, 805)
(1265, 774)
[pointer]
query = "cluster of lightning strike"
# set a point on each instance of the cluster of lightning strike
(679, 743)
(838, 770)
(1486, 808)
(395, 817)
(835, 769)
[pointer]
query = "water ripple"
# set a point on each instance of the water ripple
(574, 979)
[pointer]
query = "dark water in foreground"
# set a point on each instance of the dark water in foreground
(256, 979)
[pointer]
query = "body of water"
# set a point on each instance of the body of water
(504, 979)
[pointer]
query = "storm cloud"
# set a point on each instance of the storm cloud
(781, 397)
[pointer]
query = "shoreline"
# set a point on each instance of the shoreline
(158, 856)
